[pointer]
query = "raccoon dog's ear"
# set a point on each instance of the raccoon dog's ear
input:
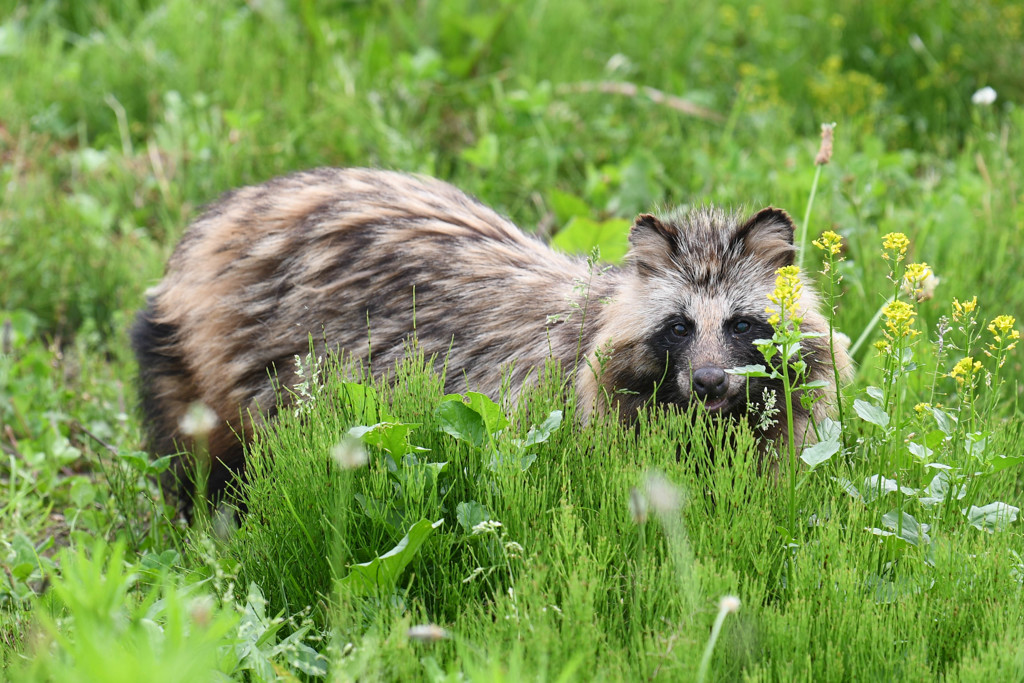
(652, 242)
(768, 236)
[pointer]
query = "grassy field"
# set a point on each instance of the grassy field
(525, 547)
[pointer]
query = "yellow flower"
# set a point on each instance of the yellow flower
(1002, 326)
(829, 242)
(882, 346)
(921, 408)
(1005, 336)
(899, 318)
(785, 295)
(919, 281)
(897, 243)
(963, 372)
(963, 309)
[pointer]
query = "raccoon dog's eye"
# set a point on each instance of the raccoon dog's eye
(680, 330)
(741, 327)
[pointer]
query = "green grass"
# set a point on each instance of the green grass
(119, 120)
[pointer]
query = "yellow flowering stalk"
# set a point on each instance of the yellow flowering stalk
(830, 242)
(899, 321)
(964, 371)
(1004, 338)
(962, 310)
(1002, 331)
(783, 363)
(894, 246)
(919, 281)
(785, 296)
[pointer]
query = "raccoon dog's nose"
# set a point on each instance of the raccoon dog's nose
(710, 384)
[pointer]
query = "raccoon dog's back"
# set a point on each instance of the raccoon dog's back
(340, 255)
(356, 257)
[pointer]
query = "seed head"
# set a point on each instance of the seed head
(663, 495)
(984, 97)
(349, 454)
(825, 151)
(729, 603)
(427, 633)
(198, 421)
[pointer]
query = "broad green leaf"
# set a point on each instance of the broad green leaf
(541, 433)
(938, 489)
(944, 420)
(363, 402)
(567, 206)
(484, 154)
(392, 437)
(1001, 462)
(992, 517)
(922, 453)
(494, 418)
(934, 438)
(819, 452)
(582, 234)
(300, 655)
(522, 462)
(847, 485)
(417, 474)
(830, 429)
(888, 591)
(869, 412)
(470, 513)
(877, 486)
(381, 573)
(462, 422)
(976, 442)
(909, 530)
(749, 371)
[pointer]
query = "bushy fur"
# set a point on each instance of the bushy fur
(339, 255)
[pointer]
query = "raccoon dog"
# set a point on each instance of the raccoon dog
(351, 255)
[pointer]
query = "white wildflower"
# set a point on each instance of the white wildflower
(427, 633)
(198, 421)
(486, 527)
(984, 97)
(768, 411)
(513, 549)
(476, 572)
(349, 454)
(662, 494)
(729, 603)
(618, 62)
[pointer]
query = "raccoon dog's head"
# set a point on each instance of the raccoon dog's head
(693, 306)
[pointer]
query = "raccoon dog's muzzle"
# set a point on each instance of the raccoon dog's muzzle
(711, 386)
